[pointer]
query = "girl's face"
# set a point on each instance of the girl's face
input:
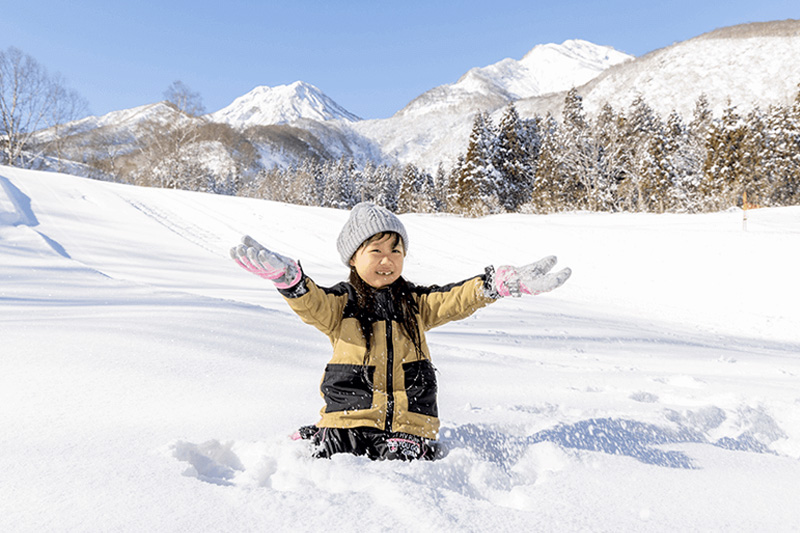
(380, 262)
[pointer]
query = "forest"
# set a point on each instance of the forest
(617, 161)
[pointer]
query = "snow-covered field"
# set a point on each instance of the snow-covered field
(149, 384)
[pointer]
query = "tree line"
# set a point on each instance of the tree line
(617, 160)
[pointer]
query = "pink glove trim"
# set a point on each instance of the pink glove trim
(248, 265)
(506, 275)
(292, 283)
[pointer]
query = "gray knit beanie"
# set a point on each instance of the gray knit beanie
(367, 219)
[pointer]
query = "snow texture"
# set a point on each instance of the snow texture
(150, 384)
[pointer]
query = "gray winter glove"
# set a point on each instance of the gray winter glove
(251, 256)
(529, 279)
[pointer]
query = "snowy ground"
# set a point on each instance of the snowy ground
(148, 384)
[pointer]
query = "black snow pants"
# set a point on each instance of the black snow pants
(374, 443)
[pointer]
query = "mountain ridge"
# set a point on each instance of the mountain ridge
(747, 65)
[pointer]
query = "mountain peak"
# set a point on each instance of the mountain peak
(281, 104)
(547, 68)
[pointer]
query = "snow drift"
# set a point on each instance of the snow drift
(149, 384)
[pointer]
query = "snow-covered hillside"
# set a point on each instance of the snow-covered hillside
(748, 65)
(283, 104)
(435, 126)
(123, 125)
(148, 384)
(545, 69)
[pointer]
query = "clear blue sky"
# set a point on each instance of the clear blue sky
(370, 56)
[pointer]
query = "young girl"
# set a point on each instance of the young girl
(380, 386)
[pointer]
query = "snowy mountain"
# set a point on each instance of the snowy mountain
(435, 126)
(745, 65)
(149, 384)
(545, 69)
(282, 104)
(299, 121)
(748, 65)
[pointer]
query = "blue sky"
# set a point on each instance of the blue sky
(370, 56)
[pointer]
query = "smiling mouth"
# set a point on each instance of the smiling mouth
(385, 273)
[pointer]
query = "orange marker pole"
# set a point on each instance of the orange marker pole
(744, 211)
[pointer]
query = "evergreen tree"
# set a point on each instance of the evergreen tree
(545, 197)
(578, 174)
(441, 185)
(613, 157)
(452, 193)
(698, 136)
(476, 185)
(754, 153)
(512, 161)
(339, 191)
(639, 189)
(782, 166)
(683, 193)
(659, 176)
(410, 189)
(305, 185)
(723, 169)
(363, 185)
(426, 199)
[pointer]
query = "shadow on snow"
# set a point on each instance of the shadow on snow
(607, 435)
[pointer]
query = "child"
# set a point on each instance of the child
(380, 386)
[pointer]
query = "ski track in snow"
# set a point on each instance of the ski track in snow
(182, 228)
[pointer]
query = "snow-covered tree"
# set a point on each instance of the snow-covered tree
(409, 188)
(441, 185)
(782, 164)
(613, 158)
(512, 161)
(640, 188)
(476, 184)
(684, 163)
(545, 194)
(723, 168)
(339, 191)
(579, 170)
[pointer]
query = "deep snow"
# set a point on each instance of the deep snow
(149, 384)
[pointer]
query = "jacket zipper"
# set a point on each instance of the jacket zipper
(389, 376)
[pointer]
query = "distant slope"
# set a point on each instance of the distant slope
(748, 65)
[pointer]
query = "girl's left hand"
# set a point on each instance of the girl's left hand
(529, 279)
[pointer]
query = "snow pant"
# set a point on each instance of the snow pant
(374, 443)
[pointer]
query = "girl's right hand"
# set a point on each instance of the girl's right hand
(256, 259)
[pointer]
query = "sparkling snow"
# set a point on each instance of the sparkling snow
(148, 384)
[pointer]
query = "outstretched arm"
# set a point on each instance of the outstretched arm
(534, 278)
(251, 256)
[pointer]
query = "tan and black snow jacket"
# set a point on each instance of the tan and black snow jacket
(396, 389)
